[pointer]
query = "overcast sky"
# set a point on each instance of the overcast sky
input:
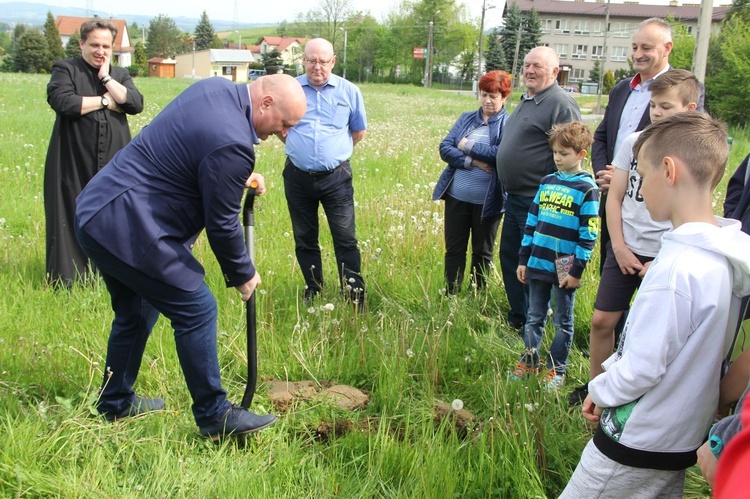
(265, 11)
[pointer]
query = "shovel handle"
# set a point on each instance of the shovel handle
(248, 221)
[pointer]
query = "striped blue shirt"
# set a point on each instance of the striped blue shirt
(471, 186)
(562, 220)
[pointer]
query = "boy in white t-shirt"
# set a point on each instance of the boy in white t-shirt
(635, 238)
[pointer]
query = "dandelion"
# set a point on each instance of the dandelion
(457, 405)
(311, 310)
(328, 306)
(529, 407)
(409, 353)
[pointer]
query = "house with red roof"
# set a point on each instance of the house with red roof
(291, 49)
(121, 52)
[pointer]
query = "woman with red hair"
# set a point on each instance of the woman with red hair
(473, 195)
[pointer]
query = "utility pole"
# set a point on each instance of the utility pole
(428, 79)
(485, 8)
(700, 56)
(599, 109)
(516, 79)
(344, 73)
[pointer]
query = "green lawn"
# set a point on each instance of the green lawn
(413, 349)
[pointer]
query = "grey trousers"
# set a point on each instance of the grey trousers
(597, 476)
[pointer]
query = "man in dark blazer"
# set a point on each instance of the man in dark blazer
(137, 221)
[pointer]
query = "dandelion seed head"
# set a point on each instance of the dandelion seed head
(409, 353)
(311, 310)
(457, 405)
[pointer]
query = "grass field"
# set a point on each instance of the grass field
(413, 349)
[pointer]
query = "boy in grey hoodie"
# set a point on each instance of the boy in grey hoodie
(659, 392)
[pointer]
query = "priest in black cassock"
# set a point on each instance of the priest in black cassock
(92, 99)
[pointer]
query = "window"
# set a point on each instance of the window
(597, 52)
(582, 27)
(619, 54)
(621, 30)
(577, 74)
(562, 26)
(580, 52)
(547, 25)
(562, 50)
(596, 28)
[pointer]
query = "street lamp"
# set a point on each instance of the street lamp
(240, 35)
(345, 33)
(485, 8)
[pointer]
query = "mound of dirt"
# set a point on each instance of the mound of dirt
(285, 394)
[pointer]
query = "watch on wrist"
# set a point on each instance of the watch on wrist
(105, 79)
(105, 102)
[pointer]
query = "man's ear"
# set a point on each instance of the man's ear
(692, 106)
(266, 102)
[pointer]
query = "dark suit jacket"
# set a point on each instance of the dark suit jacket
(184, 172)
(603, 149)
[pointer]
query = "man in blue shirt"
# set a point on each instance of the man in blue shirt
(138, 219)
(318, 172)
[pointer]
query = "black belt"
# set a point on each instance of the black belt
(318, 173)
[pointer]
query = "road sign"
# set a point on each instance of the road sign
(419, 52)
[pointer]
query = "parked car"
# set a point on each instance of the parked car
(254, 74)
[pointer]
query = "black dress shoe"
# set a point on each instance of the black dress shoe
(137, 407)
(237, 421)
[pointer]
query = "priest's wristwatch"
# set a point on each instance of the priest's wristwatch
(105, 102)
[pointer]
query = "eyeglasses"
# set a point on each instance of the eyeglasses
(314, 62)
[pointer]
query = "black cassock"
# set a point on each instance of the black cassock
(80, 146)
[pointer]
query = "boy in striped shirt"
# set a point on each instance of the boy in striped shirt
(561, 230)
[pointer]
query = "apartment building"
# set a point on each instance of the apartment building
(576, 30)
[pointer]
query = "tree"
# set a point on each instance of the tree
(683, 49)
(140, 58)
(726, 79)
(596, 72)
(608, 82)
(32, 52)
(134, 30)
(528, 27)
(73, 48)
(272, 61)
(164, 38)
(217, 43)
(54, 43)
(204, 33)
(495, 58)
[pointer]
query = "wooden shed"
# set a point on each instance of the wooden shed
(161, 67)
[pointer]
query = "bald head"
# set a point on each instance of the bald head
(319, 61)
(540, 68)
(278, 104)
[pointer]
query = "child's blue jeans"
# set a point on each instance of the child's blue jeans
(540, 293)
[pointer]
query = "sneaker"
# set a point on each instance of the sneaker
(522, 371)
(553, 381)
(138, 406)
(579, 395)
(237, 421)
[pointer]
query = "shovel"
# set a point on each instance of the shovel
(248, 222)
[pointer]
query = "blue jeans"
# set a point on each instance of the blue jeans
(304, 194)
(539, 298)
(137, 300)
(516, 211)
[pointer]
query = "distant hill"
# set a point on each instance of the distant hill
(35, 14)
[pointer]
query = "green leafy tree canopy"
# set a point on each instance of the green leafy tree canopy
(164, 37)
(54, 43)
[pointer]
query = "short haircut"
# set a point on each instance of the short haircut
(664, 25)
(97, 23)
(696, 139)
(687, 85)
(574, 135)
(495, 82)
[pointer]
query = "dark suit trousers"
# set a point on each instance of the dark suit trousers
(304, 194)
